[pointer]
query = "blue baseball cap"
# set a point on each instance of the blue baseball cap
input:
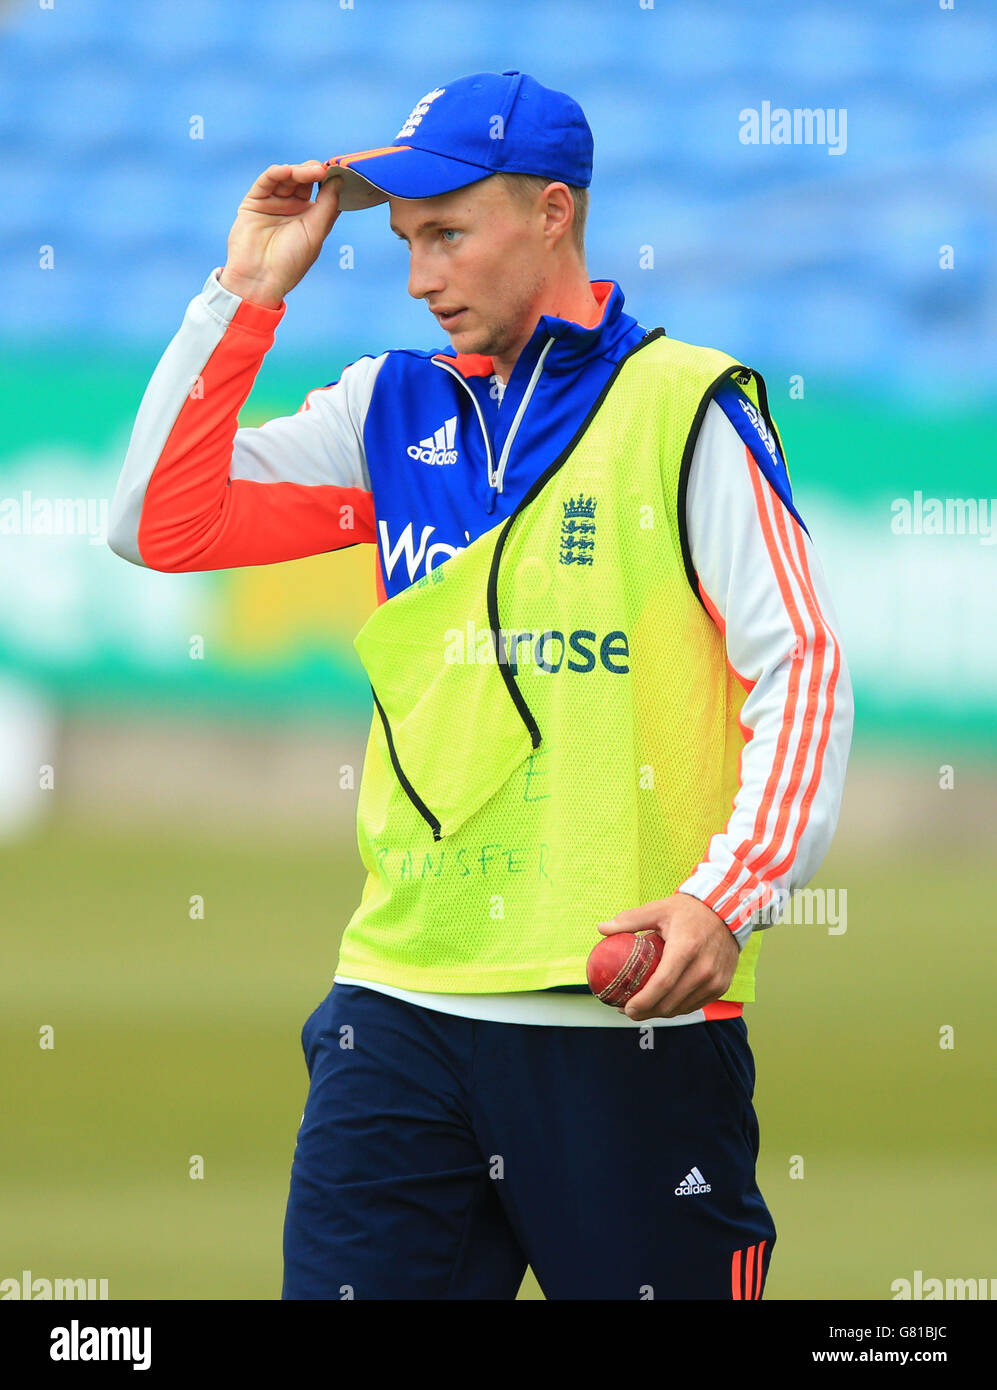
(488, 123)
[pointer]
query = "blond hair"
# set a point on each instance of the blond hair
(527, 186)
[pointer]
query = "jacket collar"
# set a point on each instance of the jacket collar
(574, 342)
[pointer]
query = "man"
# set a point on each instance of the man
(609, 694)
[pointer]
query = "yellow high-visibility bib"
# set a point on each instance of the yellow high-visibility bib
(555, 734)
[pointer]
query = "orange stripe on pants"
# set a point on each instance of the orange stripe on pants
(758, 1272)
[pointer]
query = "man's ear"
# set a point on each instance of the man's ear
(560, 211)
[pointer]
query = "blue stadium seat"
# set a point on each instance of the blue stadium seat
(791, 250)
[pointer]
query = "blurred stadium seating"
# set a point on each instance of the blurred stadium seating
(829, 263)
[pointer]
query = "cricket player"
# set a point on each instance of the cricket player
(609, 695)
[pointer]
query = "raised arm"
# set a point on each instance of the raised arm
(195, 491)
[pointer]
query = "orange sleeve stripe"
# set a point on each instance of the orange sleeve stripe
(786, 731)
(736, 868)
(826, 721)
(760, 859)
(801, 569)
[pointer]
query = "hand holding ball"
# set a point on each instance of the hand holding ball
(620, 965)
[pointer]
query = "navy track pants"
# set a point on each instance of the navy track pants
(438, 1156)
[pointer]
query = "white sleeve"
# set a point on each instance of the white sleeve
(196, 491)
(762, 582)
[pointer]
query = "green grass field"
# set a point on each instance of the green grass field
(176, 1037)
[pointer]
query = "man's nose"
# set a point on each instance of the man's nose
(423, 278)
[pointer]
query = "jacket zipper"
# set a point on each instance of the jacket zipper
(496, 472)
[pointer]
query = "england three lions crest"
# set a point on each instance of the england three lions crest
(578, 531)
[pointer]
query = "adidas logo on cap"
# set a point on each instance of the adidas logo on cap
(439, 448)
(691, 1184)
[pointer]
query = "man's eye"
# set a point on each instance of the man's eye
(449, 234)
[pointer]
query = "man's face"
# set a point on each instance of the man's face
(477, 258)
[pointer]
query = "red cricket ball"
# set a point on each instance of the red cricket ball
(622, 964)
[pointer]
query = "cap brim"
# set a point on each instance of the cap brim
(373, 176)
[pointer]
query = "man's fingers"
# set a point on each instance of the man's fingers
(272, 179)
(286, 181)
(319, 216)
(686, 979)
(669, 979)
(677, 1000)
(325, 209)
(634, 918)
(697, 962)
